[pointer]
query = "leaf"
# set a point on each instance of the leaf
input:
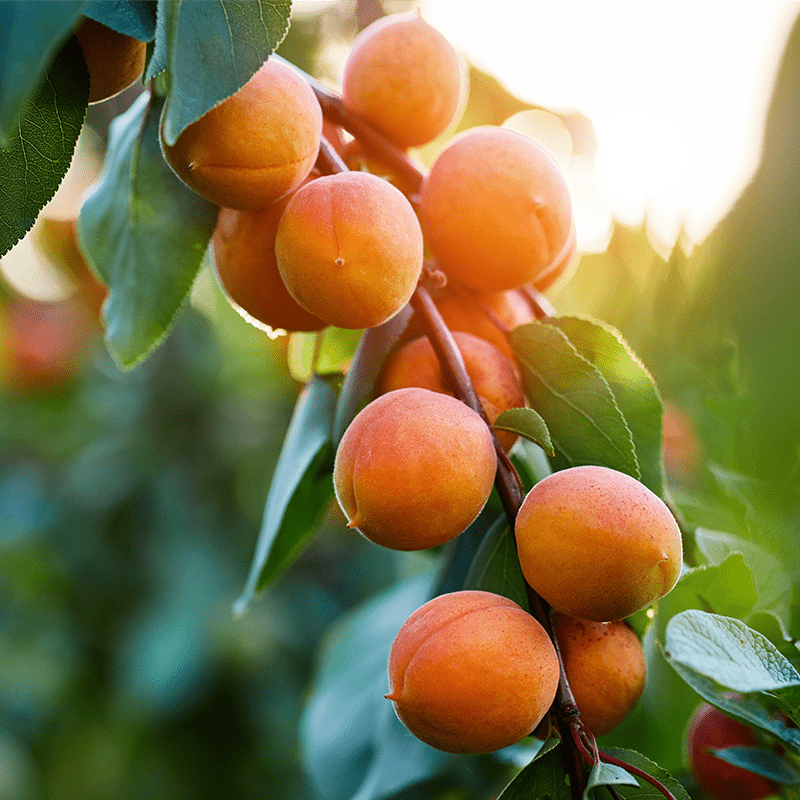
(211, 50)
(646, 790)
(300, 491)
(134, 18)
(525, 752)
(320, 352)
(762, 762)
(30, 36)
(585, 423)
(40, 148)
(728, 652)
(352, 742)
(496, 565)
(359, 383)
(543, 779)
(603, 774)
(527, 423)
(144, 233)
(726, 589)
(633, 387)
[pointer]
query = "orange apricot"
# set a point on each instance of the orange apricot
(562, 267)
(115, 60)
(495, 378)
(496, 209)
(605, 667)
(472, 672)
(597, 544)
(244, 256)
(349, 249)
(680, 444)
(414, 469)
(256, 146)
(405, 78)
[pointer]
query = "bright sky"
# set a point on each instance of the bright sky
(677, 92)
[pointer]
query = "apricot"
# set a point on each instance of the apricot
(562, 266)
(605, 667)
(115, 60)
(349, 249)
(496, 209)
(405, 78)
(710, 728)
(254, 147)
(471, 672)
(414, 469)
(597, 544)
(495, 378)
(244, 254)
(680, 444)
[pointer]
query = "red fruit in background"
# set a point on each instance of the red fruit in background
(711, 729)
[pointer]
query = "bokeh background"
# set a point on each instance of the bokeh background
(130, 502)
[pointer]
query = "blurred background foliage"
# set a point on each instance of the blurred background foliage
(130, 503)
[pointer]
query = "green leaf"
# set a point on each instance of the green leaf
(633, 387)
(211, 50)
(527, 423)
(135, 18)
(40, 149)
(585, 423)
(320, 352)
(30, 36)
(144, 233)
(543, 779)
(352, 742)
(300, 491)
(646, 790)
(359, 383)
(728, 652)
(496, 565)
(726, 589)
(762, 762)
(603, 774)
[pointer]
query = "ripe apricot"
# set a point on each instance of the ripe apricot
(563, 265)
(404, 78)
(496, 209)
(244, 255)
(471, 672)
(254, 147)
(349, 249)
(680, 445)
(597, 544)
(495, 378)
(605, 667)
(414, 469)
(114, 60)
(710, 728)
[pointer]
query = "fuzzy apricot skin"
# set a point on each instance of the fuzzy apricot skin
(244, 256)
(349, 249)
(605, 667)
(256, 146)
(495, 378)
(597, 544)
(496, 209)
(405, 78)
(710, 728)
(414, 469)
(471, 672)
(115, 61)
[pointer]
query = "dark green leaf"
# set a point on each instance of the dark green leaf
(359, 383)
(646, 790)
(135, 18)
(603, 774)
(543, 779)
(728, 652)
(144, 233)
(300, 491)
(585, 423)
(30, 36)
(212, 50)
(633, 387)
(762, 762)
(527, 423)
(40, 149)
(496, 566)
